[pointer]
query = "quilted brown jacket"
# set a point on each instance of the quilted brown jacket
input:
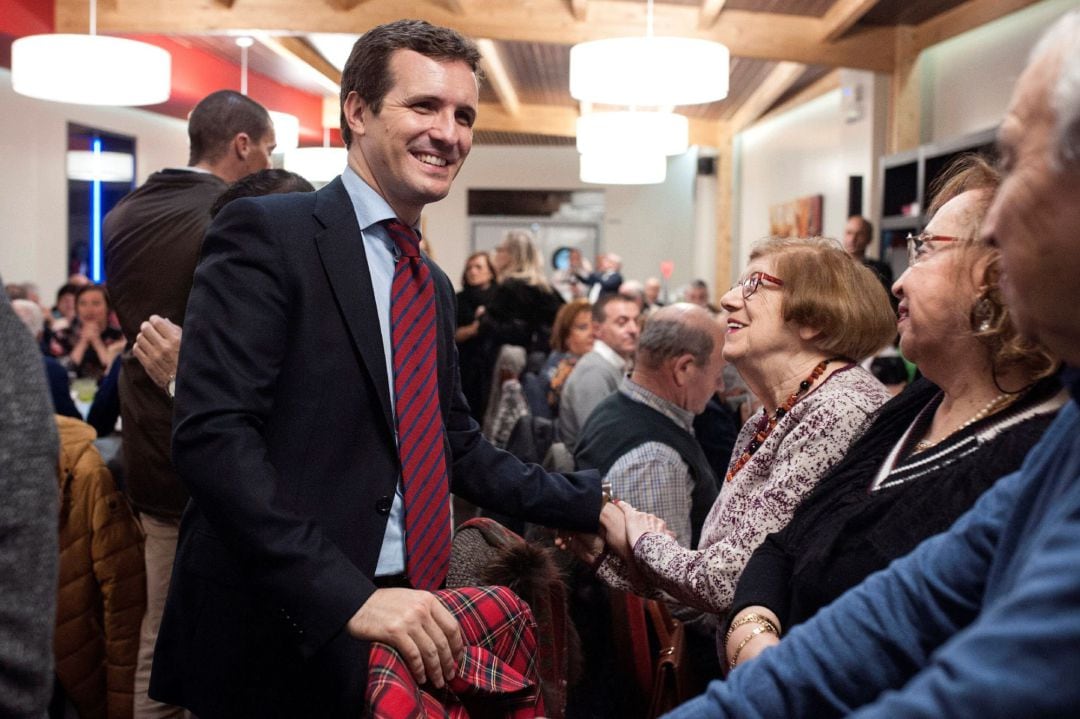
(102, 590)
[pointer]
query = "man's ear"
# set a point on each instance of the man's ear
(241, 145)
(680, 369)
(355, 111)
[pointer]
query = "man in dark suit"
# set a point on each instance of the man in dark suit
(298, 547)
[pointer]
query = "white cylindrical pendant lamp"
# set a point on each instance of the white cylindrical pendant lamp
(649, 71)
(665, 133)
(626, 167)
(90, 70)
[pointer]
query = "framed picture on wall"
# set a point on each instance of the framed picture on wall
(800, 217)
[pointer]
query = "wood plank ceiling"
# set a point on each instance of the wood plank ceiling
(780, 48)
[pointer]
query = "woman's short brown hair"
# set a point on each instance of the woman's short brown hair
(564, 322)
(991, 321)
(827, 290)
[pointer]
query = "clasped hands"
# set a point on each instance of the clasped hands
(620, 528)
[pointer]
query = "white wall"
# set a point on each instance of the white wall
(645, 224)
(810, 150)
(967, 81)
(33, 183)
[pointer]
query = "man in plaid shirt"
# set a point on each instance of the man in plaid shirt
(641, 438)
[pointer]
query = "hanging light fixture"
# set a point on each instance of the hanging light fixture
(320, 164)
(286, 126)
(624, 167)
(90, 69)
(100, 166)
(664, 133)
(649, 71)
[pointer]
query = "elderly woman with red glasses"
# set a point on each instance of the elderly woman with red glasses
(798, 323)
(985, 399)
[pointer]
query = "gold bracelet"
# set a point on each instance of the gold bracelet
(760, 629)
(749, 618)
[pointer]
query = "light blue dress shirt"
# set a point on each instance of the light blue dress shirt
(371, 209)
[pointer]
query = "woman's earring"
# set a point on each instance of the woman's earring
(982, 314)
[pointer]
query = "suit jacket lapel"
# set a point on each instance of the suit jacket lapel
(341, 251)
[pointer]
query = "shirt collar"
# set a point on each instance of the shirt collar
(682, 417)
(369, 205)
(600, 348)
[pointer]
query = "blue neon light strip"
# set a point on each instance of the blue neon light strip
(95, 219)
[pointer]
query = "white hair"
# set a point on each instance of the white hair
(31, 315)
(1063, 40)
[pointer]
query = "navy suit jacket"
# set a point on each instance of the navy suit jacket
(283, 434)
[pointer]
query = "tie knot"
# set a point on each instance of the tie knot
(404, 237)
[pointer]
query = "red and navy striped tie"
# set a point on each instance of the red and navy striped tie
(424, 479)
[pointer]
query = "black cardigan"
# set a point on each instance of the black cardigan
(843, 532)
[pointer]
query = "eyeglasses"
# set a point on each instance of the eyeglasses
(920, 246)
(753, 280)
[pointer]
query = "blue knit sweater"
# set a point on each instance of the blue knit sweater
(982, 621)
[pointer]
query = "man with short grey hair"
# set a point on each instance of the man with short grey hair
(641, 438)
(981, 620)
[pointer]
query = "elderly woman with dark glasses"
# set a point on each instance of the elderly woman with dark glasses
(984, 401)
(798, 323)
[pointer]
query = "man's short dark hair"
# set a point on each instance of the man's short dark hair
(218, 118)
(367, 71)
(599, 308)
(263, 182)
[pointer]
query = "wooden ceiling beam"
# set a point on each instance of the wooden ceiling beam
(825, 83)
(842, 15)
(778, 81)
(345, 5)
(297, 49)
(747, 34)
(498, 77)
(710, 11)
(561, 121)
(551, 120)
(964, 17)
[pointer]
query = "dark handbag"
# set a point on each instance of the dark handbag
(672, 684)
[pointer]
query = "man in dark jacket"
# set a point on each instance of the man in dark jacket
(152, 241)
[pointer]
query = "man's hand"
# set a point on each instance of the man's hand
(416, 624)
(157, 347)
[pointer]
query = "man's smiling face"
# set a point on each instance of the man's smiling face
(412, 149)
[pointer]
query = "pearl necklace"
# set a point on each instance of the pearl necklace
(992, 406)
(763, 432)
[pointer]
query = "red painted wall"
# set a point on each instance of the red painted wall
(195, 73)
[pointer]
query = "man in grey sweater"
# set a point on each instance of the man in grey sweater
(599, 372)
(28, 532)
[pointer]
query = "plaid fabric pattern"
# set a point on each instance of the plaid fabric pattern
(497, 676)
(653, 477)
(424, 479)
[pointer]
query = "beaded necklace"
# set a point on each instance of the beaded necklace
(766, 424)
(992, 406)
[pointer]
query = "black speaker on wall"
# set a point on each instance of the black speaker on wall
(706, 166)
(854, 195)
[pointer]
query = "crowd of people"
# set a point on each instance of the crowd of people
(307, 409)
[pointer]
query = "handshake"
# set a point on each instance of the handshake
(620, 528)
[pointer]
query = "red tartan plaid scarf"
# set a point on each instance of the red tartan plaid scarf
(497, 677)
